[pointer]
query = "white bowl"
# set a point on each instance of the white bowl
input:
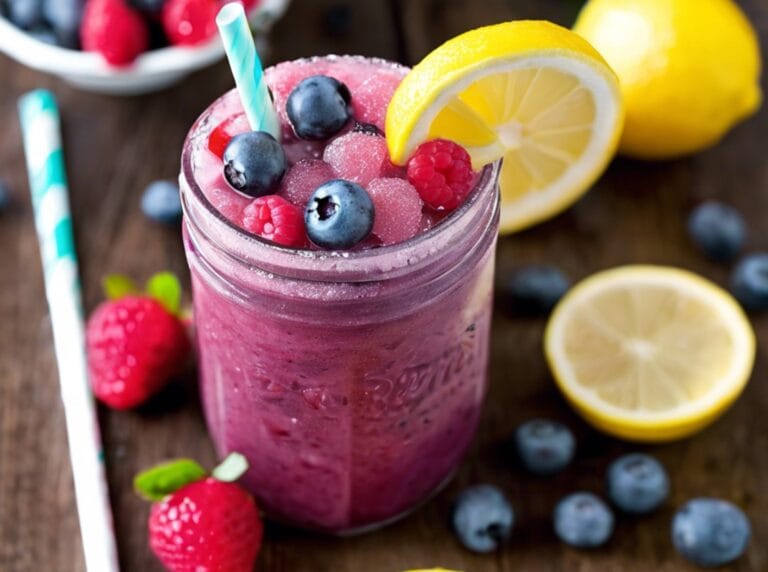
(151, 71)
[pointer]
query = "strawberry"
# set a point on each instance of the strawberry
(135, 343)
(115, 30)
(189, 22)
(200, 522)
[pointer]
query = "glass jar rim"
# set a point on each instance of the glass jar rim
(252, 250)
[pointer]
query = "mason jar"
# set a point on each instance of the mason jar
(351, 381)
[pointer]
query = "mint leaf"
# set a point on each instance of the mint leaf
(155, 483)
(118, 286)
(231, 468)
(166, 289)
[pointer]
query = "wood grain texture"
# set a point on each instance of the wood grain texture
(635, 214)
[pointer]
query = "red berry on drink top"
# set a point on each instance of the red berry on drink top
(201, 522)
(223, 133)
(274, 218)
(442, 173)
(115, 30)
(135, 342)
(190, 22)
(220, 138)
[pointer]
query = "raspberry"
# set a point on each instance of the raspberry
(115, 30)
(134, 346)
(190, 22)
(222, 134)
(274, 218)
(206, 525)
(442, 173)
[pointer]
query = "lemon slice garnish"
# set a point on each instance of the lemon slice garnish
(529, 92)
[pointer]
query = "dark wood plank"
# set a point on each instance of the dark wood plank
(115, 146)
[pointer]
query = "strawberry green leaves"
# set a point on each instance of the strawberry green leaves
(155, 483)
(163, 287)
(166, 289)
(118, 286)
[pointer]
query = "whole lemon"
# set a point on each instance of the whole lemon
(689, 70)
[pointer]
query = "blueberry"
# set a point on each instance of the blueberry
(339, 214)
(318, 107)
(749, 281)
(545, 447)
(64, 16)
(710, 532)
(5, 195)
(583, 520)
(25, 14)
(161, 202)
(718, 230)
(637, 483)
(254, 163)
(482, 518)
(535, 289)
(367, 128)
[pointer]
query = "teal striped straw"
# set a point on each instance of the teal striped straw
(246, 67)
(40, 126)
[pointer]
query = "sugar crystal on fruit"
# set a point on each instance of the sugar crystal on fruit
(358, 157)
(370, 100)
(398, 209)
(303, 178)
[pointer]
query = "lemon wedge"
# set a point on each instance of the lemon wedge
(649, 353)
(529, 92)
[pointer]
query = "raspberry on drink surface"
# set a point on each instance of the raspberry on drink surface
(442, 173)
(274, 218)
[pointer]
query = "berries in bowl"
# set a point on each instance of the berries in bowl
(122, 47)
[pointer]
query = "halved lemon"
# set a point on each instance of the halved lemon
(530, 92)
(649, 353)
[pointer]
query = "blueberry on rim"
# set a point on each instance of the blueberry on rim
(254, 163)
(339, 214)
(318, 107)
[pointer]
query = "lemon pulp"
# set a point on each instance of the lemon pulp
(531, 93)
(649, 353)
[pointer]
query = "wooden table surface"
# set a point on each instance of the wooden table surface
(636, 213)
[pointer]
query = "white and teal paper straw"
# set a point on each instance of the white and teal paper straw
(40, 126)
(246, 67)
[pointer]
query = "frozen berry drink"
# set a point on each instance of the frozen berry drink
(342, 303)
